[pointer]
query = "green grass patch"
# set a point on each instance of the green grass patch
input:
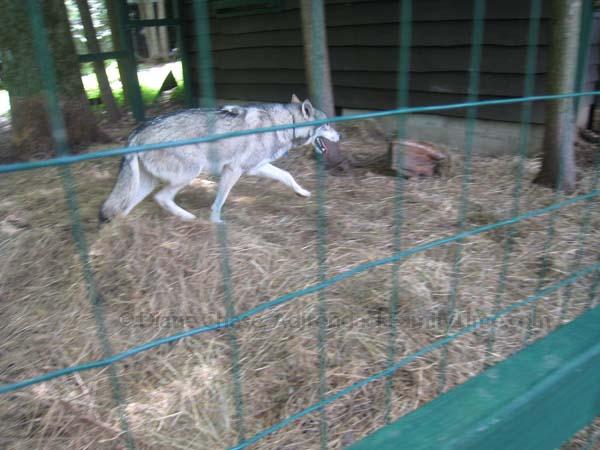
(150, 80)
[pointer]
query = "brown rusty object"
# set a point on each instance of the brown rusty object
(418, 159)
(335, 162)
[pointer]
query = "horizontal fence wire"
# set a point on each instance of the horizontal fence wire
(296, 294)
(122, 151)
(323, 282)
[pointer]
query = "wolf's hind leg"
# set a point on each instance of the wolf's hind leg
(146, 186)
(275, 173)
(229, 176)
(165, 197)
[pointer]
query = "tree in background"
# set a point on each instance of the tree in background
(163, 34)
(320, 86)
(117, 41)
(558, 164)
(93, 46)
(99, 12)
(157, 40)
(31, 132)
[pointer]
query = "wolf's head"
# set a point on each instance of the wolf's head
(315, 135)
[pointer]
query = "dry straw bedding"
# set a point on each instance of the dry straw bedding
(159, 275)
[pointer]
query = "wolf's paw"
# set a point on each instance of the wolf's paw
(303, 193)
(215, 218)
(186, 216)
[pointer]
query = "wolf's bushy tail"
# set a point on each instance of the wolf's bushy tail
(125, 190)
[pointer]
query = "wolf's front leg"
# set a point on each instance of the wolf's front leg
(275, 173)
(229, 176)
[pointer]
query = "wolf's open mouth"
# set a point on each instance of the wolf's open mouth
(320, 145)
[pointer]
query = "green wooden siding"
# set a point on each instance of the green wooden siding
(535, 400)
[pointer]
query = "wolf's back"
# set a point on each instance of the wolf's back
(174, 126)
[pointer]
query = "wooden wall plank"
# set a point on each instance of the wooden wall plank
(261, 54)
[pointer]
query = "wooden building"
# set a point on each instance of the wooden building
(258, 54)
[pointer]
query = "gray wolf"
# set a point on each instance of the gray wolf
(174, 168)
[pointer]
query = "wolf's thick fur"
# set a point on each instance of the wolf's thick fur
(176, 167)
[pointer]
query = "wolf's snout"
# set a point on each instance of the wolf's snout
(331, 134)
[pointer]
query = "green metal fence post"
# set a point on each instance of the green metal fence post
(134, 96)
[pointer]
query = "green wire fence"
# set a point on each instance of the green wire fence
(201, 21)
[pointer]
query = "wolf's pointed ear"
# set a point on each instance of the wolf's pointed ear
(307, 109)
(295, 99)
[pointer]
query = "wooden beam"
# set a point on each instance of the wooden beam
(536, 399)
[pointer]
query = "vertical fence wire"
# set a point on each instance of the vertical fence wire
(474, 69)
(317, 14)
(526, 113)
(405, 35)
(59, 136)
(207, 89)
(584, 42)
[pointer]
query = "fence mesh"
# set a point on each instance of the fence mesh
(236, 314)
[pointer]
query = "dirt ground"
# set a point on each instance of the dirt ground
(158, 275)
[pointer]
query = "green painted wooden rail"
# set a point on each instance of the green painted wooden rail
(536, 400)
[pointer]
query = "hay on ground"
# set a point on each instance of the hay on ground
(158, 276)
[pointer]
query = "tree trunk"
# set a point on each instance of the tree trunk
(31, 134)
(558, 164)
(117, 41)
(316, 57)
(150, 33)
(319, 83)
(93, 46)
(163, 34)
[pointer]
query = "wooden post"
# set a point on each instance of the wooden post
(558, 165)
